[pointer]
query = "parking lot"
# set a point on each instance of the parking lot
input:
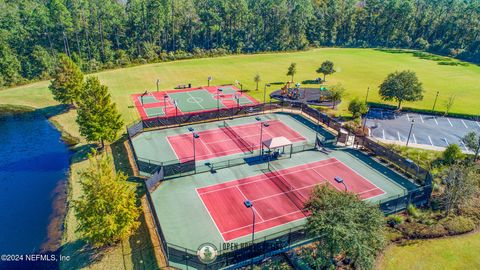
(435, 131)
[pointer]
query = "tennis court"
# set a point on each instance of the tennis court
(189, 101)
(277, 195)
(228, 140)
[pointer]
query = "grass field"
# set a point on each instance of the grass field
(357, 69)
(449, 253)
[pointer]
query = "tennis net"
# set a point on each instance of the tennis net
(237, 138)
(296, 197)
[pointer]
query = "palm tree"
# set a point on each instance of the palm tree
(257, 79)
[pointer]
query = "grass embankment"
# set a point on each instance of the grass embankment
(357, 69)
(459, 252)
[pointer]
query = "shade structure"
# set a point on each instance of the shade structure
(276, 142)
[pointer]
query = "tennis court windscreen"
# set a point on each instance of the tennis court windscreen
(244, 145)
(296, 197)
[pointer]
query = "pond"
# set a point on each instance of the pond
(34, 165)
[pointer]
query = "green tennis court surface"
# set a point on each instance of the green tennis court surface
(187, 221)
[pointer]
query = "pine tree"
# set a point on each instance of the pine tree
(98, 117)
(106, 211)
(67, 81)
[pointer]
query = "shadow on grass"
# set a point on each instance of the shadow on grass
(142, 252)
(51, 111)
(81, 152)
(81, 254)
(120, 156)
(311, 82)
(277, 83)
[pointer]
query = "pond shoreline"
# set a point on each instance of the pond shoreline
(60, 194)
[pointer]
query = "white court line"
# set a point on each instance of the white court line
(435, 118)
(451, 122)
(383, 132)
(399, 139)
(408, 118)
(477, 124)
(263, 177)
(445, 139)
(430, 139)
(245, 197)
(421, 118)
(415, 139)
(196, 101)
(208, 212)
(464, 124)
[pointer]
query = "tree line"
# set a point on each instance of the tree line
(105, 34)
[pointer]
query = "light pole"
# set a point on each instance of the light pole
(435, 102)
(158, 82)
(265, 95)
(249, 205)
(262, 124)
(165, 97)
(218, 102)
(410, 132)
(366, 97)
(339, 180)
(176, 110)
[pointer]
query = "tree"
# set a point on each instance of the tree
(257, 79)
(98, 117)
(67, 81)
(472, 142)
(107, 209)
(357, 107)
(336, 93)
(292, 70)
(462, 183)
(9, 66)
(452, 154)
(326, 69)
(449, 103)
(401, 86)
(345, 227)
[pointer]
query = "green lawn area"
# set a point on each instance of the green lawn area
(357, 69)
(449, 253)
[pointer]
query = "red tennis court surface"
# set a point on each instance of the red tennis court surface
(161, 104)
(273, 206)
(220, 142)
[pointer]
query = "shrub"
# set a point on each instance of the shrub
(394, 220)
(458, 224)
(413, 211)
(452, 154)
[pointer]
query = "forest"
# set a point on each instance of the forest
(99, 34)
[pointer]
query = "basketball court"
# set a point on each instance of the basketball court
(189, 101)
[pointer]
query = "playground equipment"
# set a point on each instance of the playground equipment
(291, 93)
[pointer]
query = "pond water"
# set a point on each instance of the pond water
(34, 166)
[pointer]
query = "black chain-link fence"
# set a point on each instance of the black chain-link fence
(285, 240)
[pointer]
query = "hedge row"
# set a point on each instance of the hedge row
(423, 111)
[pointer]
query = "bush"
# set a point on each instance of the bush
(458, 224)
(412, 230)
(394, 220)
(452, 154)
(413, 211)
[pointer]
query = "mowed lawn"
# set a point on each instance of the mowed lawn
(357, 69)
(449, 253)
